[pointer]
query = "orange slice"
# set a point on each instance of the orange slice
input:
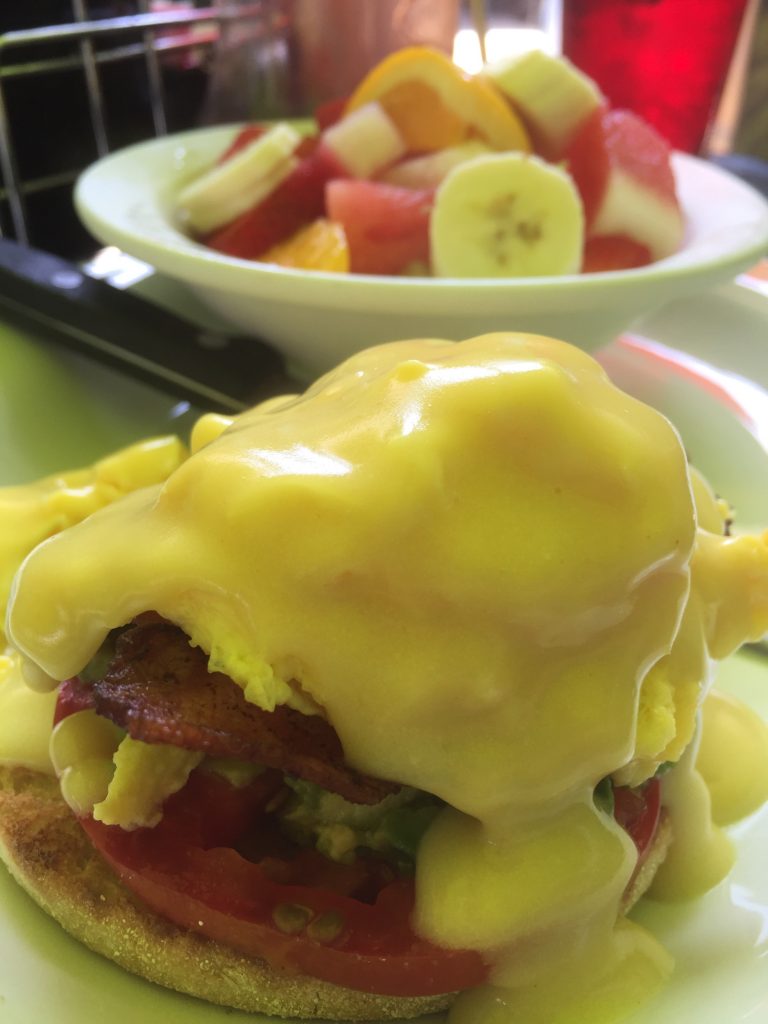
(321, 245)
(435, 105)
(424, 121)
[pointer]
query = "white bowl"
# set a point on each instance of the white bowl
(317, 319)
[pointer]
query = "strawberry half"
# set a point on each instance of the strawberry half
(295, 202)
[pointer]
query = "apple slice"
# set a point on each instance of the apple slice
(365, 141)
(623, 171)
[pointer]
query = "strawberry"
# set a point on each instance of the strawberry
(295, 202)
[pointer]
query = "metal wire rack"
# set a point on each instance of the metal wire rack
(179, 39)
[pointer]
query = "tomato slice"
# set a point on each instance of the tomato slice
(74, 695)
(638, 811)
(188, 870)
(217, 865)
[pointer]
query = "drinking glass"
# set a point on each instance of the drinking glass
(320, 52)
(664, 59)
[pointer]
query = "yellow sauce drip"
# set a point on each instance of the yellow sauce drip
(30, 513)
(26, 718)
(701, 854)
(520, 881)
(733, 757)
(490, 553)
(618, 971)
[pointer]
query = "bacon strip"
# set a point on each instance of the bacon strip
(159, 689)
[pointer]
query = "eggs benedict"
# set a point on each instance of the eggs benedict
(387, 698)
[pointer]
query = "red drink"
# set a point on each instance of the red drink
(664, 59)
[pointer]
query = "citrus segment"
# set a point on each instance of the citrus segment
(424, 121)
(321, 245)
(434, 104)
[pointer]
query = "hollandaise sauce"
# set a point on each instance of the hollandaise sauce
(30, 513)
(496, 576)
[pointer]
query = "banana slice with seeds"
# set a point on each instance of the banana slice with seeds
(506, 215)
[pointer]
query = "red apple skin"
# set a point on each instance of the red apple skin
(613, 252)
(611, 140)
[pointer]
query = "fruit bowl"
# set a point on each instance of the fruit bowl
(316, 319)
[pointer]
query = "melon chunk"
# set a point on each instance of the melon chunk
(387, 227)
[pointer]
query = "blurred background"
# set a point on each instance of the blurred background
(79, 79)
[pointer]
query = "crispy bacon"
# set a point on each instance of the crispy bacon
(159, 689)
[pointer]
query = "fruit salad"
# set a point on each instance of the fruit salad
(522, 170)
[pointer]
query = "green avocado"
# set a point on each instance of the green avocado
(339, 829)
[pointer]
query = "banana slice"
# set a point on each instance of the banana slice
(506, 215)
(233, 187)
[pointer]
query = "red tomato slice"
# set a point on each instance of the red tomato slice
(216, 865)
(74, 695)
(295, 202)
(188, 870)
(638, 811)
(387, 227)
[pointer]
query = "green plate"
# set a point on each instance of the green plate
(57, 411)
